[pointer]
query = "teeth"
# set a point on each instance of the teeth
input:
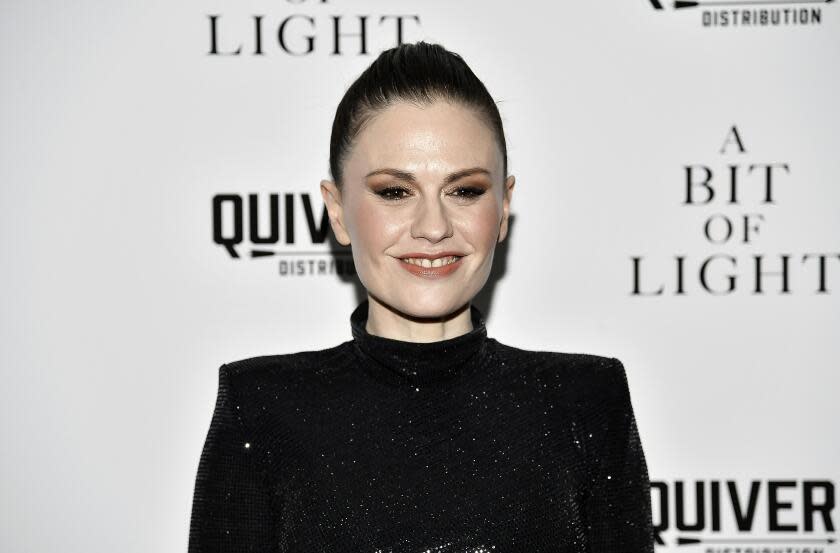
(439, 262)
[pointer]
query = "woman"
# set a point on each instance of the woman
(421, 434)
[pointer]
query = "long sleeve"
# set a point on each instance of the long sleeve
(618, 507)
(230, 511)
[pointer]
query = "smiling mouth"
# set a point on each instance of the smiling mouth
(437, 262)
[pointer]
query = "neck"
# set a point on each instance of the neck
(414, 363)
(387, 322)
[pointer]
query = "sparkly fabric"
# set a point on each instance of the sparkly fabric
(384, 446)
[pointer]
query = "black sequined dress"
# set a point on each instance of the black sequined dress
(463, 445)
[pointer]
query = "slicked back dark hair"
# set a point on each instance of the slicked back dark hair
(418, 73)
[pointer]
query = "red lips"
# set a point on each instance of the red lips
(432, 255)
(431, 272)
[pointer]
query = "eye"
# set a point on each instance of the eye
(469, 192)
(392, 192)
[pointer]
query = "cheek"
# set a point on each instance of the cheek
(372, 229)
(482, 226)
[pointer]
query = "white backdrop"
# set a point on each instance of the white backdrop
(119, 128)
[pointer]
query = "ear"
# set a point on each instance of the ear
(332, 200)
(508, 193)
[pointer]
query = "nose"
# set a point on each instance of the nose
(431, 221)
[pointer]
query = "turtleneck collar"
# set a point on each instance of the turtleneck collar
(418, 363)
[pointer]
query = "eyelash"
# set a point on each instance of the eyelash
(473, 192)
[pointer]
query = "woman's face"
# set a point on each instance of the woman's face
(422, 180)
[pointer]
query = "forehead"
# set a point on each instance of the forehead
(437, 138)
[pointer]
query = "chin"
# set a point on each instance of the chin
(437, 306)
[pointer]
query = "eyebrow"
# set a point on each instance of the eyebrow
(412, 178)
